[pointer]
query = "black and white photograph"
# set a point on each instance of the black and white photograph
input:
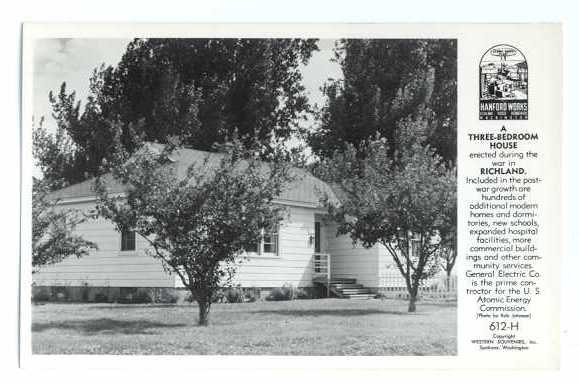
(250, 191)
(245, 196)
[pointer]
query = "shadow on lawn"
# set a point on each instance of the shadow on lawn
(134, 306)
(104, 325)
(329, 312)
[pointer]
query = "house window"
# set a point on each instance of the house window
(252, 248)
(268, 243)
(416, 245)
(270, 240)
(127, 240)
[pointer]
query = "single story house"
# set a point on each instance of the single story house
(304, 251)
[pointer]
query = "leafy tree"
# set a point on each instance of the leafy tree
(55, 156)
(447, 256)
(198, 223)
(386, 81)
(406, 202)
(200, 90)
(53, 237)
(65, 158)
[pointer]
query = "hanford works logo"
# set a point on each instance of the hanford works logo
(504, 84)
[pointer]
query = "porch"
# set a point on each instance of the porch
(341, 287)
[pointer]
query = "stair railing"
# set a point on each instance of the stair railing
(323, 269)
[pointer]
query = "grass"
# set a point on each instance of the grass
(302, 327)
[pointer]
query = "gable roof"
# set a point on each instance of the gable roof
(305, 190)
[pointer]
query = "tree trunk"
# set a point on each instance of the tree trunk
(411, 294)
(204, 306)
(447, 281)
(412, 302)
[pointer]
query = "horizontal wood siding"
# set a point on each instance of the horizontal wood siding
(352, 261)
(108, 266)
(292, 266)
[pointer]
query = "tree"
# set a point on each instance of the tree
(200, 90)
(447, 256)
(53, 237)
(406, 202)
(386, 81)
(54, 155)
(200, 223)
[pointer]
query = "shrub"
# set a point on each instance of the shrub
(381, 296)
(40, 295)
(157, 295)
(136, 295)
(101, 298)
(218, 296)
(301, 293)
(230, 295)
(286, 292)
(143, 297)
(181, 295)
(84, 293)
(251, 295)
(189, 298)
(61, 293)
(167, 296)
(234, 295)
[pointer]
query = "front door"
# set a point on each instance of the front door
(317, 237)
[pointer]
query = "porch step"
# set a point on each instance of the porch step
(355, 291)
(361, 296)
(348, 288)
(343, 281)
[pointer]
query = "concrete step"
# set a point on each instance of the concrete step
(362, 296)
(347, 286)
(342, 281)
(354, 291)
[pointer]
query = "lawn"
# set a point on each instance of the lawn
(301, 327)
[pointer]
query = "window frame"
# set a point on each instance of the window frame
(317, 237)
(261, 245)
(124, 241)
(415, 244)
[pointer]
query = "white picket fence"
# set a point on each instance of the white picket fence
(393, 284)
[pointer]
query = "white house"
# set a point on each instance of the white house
(303, 252)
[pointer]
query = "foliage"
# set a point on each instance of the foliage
(199, 90)
(162, 295)
(301, 293)
(286, 292)
(447, 256)
(101, 298)
(385, 82)
(251, 295)
(406, 202)
(190, 299)
(53, 237)
(40, 294)
(55, 156)
(141, 296)
(197, 224)
(234, 295)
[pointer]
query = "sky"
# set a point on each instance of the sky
(515, 56)
(73, 61)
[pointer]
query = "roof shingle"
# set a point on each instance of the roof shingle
(306, 189)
